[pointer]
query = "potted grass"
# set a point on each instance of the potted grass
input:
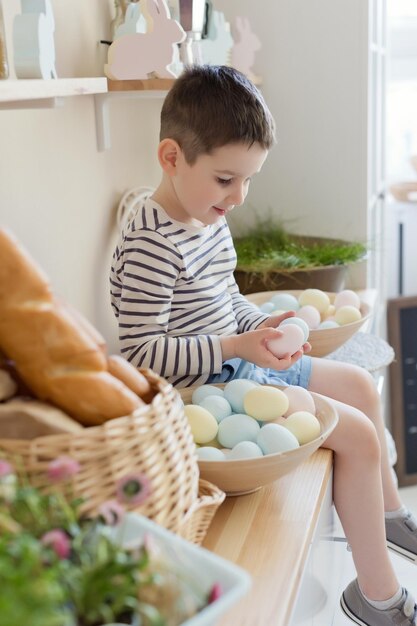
(270, 258)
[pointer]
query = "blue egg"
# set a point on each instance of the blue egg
(235, 390)
(205, 390)
(329, 324)
(272, 438)
(207, 453)
(285, 302)
(236, 428)
(217, 406)
(267, 307)
(245, 450)
(298, 322)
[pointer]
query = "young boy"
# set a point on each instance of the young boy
(180, 313)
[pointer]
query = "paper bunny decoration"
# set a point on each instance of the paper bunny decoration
(243, 52)
(33, 40)
(216, 48)
(134, 21)
(137, 55)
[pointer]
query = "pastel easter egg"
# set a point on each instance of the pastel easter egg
(310, 315)
(298, 322)
(203, 425)
(235, 390)
(285, 302)
(206, 453)
(267, 307)
(203, 391)
(291, 341)
(304, 425)
(273, 438)
(347, 297)
(299, 399)
(328, 324)
(236, 428)
(217, 406)
(245, 450)
(347, 314)
(331, 310)
(265, 403)
(315, 297)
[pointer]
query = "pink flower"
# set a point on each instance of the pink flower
(63, 468)
(58, 541)
(133, 489)
(5, 469)
(215, 593)
(112, 512)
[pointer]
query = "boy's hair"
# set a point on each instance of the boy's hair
(210, 106)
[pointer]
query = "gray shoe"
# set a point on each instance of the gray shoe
(354, 605)
(402, 536)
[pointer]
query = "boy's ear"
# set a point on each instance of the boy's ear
(168, 154)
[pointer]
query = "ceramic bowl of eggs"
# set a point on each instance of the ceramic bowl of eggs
(328, 319)
(249, 435)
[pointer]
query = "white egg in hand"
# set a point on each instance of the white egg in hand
(291, 340)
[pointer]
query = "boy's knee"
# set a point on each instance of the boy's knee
(367, 438)
(364, 384)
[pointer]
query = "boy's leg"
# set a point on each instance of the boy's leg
(354, 386)
(358, 499)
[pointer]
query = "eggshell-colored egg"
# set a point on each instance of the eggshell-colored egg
(310, 315)
(235, 390)
(206, 453)
(203, 425)
(347, 297)
(291, 341)
(267, 307)
(299, 399)
(245, 450)
(278, 312)
(273, 438)
(265, 403)
(315, 297)
(305, 426)
(347, 314)
(203, 391)
(236, 428)
(298, 322)
(329, 324)
(285, 301)
(217, 406)
(331, 310)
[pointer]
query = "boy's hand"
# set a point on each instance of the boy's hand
(251, 346)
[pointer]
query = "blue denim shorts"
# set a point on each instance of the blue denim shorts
(299, 374)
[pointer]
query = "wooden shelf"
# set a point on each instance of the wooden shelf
(150, 84)
(26, 91)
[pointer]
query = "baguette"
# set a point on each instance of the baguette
(59, 358)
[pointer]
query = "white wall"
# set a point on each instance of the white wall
(313, 65)
(58, 194)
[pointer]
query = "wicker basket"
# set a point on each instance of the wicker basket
(155, 440)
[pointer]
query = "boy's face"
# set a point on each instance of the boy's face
(216, 183)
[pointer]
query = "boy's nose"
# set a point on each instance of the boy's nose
(238, 195)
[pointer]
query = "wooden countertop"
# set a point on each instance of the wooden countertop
(269, 533)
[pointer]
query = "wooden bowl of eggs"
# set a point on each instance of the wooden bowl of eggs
(249, 435)
(332, 318)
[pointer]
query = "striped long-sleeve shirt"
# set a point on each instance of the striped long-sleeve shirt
(174, 294)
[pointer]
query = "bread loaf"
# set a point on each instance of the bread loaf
(60, 359)
(27, 419)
